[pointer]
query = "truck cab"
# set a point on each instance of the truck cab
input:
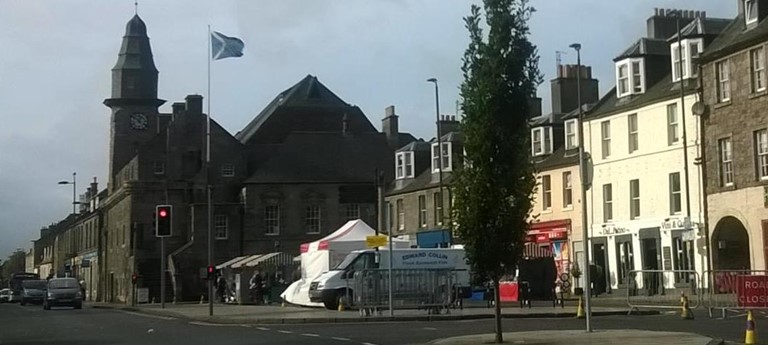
(332, 287)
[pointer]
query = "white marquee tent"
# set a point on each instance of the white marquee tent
(320, 256)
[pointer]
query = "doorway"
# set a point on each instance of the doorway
(600, 260)
(730, 244)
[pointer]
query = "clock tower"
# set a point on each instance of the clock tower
(134, 101)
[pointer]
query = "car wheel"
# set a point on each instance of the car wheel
(46, 306)
(79, 306)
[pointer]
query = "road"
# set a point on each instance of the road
(33, 325)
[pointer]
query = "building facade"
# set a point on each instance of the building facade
(736, 138)
(645, 209)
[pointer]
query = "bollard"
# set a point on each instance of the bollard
(686, 313)
(750, 337)
(580, 311)
(341, 305)
(152, 301)
(202, 299)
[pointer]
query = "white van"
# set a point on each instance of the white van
(332, 286)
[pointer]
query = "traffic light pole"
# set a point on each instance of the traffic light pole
(162, 272)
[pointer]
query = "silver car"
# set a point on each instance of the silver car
(63, 292)
(5, 295)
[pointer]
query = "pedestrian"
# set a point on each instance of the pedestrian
(221, 288)
(268, 282)
(256, 287)
(82, 289)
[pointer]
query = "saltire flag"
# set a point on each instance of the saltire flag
(223, 47)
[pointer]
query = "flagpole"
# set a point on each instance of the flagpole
(208, 176)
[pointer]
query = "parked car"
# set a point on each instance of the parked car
(33, 291)
(63, 292)
(5, 295)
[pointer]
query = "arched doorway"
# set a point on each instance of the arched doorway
(730, 245)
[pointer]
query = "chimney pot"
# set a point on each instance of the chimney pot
(703, 14)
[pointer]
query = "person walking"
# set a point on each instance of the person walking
(256, 287)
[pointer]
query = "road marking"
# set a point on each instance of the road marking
(340, 339)
(285, 332)
(262, 328)
(202, 323)
(167, 318)
(430, 329)
(310, 335)
(246, 326)
(369, 344)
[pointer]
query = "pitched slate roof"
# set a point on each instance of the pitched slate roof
(559, 158)
(702, 27)
(309, 92)
(645, 46)
(416, 145)
(425, 180)
(325, 157)
(734, 38)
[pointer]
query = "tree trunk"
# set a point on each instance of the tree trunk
(497, 310)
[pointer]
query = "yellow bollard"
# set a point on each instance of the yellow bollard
(750, 337)
(686, 313)
(580, 311)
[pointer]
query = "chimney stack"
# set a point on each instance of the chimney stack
(194, 104)
(389, 126)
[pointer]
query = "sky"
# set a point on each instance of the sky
(57, 56)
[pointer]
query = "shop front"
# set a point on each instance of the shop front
(550, 239)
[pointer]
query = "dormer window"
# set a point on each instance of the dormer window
(750, 11)
(404, 165)
(691, 49)
(571, 134)
(541, 141)
(446, 157)
(630, 77)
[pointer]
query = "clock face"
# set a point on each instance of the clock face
(139, 121)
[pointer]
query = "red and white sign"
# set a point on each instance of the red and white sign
(544, 232)
(752, 291)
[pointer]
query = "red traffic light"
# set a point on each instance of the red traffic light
(210, 269)
(163, 213)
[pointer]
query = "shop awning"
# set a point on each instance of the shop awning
(250, 258)
(271, 259)
(533, 251)
(230, 262)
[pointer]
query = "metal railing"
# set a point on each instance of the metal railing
(431, 290)
(736, 290)
(651, 289)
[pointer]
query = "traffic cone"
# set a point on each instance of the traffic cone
(580, 311)
(686, 313)
(283, 303)
(341, 305)
(202, 299)
(152, 301)
(750, 337)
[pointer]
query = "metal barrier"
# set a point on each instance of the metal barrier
(662, 289)
(432, 290)
(736, 290)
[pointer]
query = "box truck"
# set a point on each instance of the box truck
(331, 287)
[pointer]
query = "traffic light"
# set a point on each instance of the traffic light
(211, 272)
(134, 278)
(163, 220)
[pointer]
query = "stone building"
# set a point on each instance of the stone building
(736, 140)
(644, 213)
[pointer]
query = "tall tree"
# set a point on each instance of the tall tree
(494, 187)
(15, 264)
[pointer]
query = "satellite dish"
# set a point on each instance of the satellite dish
(699, 108)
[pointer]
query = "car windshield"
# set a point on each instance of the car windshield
(346, 262)
(63, 284)
(34, 284)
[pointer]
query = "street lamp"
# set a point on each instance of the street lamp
(583, 173)
(74, 191)
(439, 147)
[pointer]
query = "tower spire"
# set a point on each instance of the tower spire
(136, 7)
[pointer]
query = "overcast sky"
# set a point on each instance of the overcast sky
(57, 55)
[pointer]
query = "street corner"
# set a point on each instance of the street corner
(579, 337)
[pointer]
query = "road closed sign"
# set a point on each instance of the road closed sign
(375, 241)
(752, 291)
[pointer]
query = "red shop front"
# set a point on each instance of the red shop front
(550, 238)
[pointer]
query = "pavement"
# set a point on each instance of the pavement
(275, 314)
(573, 337)
(90, 326)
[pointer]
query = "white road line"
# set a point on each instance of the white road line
(262, 328)
(150, 316)
(310, 335)
(285, 332)
(246, 326)
(369, 344)
(201, 323)
(430, 329)
(340, 339)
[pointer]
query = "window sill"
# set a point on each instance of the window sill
(275, 234)
(547, 211)
(313, 233)
(221, 238)
(568, 208)
(758, 94)
(723, 104)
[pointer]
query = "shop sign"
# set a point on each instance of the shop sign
(676, 223)
(611, 229)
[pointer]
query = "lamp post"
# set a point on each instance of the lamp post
(583, 173)
(74, 191)
(439, 148)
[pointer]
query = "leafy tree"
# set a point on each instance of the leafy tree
(494, 187)
(15, 264)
